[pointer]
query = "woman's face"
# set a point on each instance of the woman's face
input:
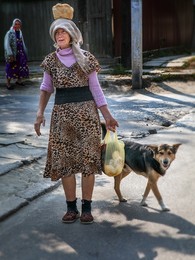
(17, 25)
(62, 38)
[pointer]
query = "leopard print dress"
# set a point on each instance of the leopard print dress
(75, 134)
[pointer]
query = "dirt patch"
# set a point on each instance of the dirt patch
(175, 87)
(123, 84)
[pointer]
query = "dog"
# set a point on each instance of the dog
(150, 161)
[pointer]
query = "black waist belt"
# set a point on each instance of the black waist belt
(69, 95)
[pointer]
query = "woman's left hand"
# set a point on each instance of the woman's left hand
(111, 124)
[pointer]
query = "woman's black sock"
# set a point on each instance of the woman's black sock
(72, 205)
(86, 205)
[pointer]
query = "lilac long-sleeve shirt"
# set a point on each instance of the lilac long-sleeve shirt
(67, 57)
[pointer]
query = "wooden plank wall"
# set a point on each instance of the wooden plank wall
(166, 24)
(100, 27)
(37, 16)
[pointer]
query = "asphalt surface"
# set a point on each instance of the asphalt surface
(21, 151)
(22, 158)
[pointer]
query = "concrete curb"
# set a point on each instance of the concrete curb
(14, 203)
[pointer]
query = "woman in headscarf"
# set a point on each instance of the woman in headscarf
(15, 55)
(75, 133)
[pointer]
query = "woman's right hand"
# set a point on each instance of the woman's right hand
(37, 125)
(11, 58)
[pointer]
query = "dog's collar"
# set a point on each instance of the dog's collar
(161, 171)
(157, 168)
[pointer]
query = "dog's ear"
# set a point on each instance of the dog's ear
(175, 147)
(153, 147)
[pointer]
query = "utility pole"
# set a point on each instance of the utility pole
(136, 43)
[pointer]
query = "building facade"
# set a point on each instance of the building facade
(105, 24)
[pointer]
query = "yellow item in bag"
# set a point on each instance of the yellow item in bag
(114, 155)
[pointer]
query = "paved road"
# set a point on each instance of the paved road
(120, 231)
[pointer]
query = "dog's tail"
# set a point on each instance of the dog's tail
(104, 130)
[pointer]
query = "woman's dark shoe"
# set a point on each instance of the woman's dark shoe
(70, 217)
(86, 218)
(9, 87)
(20, 83)
(72, 213)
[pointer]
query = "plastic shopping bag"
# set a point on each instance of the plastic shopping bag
(113, 154)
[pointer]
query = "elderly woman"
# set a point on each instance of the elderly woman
(75, 133)
(15, 55)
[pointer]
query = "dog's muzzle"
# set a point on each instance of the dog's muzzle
(166, 163)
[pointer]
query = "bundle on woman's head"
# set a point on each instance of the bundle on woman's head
(63, 13)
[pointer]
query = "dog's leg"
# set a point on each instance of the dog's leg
(145, 195)
(117, 181)
(163, 206)
(158, 196)
(153, 185)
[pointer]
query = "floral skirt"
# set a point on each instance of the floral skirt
(17, 69)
